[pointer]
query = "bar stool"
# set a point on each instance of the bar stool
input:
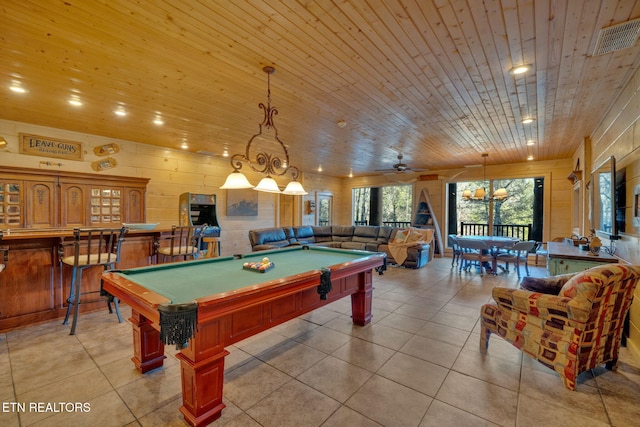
(92, 247)
(213, 246)
(184, 242)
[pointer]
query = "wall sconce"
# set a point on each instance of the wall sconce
(3, 142)
(262, 161)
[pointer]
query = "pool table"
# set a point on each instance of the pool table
(211, 303)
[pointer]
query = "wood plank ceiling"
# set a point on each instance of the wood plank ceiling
(428, 79)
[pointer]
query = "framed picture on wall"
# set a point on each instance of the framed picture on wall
(242, 202)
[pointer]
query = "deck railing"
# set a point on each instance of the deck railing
(522, 232)
(397, 224)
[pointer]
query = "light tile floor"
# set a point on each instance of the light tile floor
(417, 364)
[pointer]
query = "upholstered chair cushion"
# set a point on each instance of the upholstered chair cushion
(322, 233)
(304, 234)
(546, 285)
(342, 233)
(365, 234)
(384, 234)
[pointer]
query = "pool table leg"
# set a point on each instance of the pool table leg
(148, 351)
(362, 299)
(202, 371)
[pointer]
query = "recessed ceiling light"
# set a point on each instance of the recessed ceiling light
(75, 101)
(519, 69)
(527, 120)
(17, 88)
(320, 168)
(120, 111)
(184, 145)
(531, 142)
(530, 157)
(158, 119)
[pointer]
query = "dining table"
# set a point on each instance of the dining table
(494, 244)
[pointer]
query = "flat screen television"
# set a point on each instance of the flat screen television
(603, 197)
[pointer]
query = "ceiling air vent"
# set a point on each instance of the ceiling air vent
(617, 37)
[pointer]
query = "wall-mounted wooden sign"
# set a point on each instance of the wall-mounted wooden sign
(105, 150)
(50, 147)
(104, 164)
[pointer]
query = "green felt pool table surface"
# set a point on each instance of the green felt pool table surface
(187, 281)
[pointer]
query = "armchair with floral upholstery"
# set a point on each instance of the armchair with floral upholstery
(572, 332)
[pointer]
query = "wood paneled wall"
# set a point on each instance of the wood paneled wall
(558, 189)
(171, 173)
(618, 134)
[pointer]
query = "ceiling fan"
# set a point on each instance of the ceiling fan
(401, 167)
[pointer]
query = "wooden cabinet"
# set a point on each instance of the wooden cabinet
(40, 204)
(73, 206)
(133, 204)
(563, 258)
(11, 202)
(36, 199)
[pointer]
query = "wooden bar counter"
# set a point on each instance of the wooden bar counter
(34, 287)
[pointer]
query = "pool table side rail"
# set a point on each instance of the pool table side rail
(138, 297)
(220, 305)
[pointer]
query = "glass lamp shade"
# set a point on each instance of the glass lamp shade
(466, 194)
(236, 181)
(268, 185)
(480, 193)
(294, 188)
(500, 194)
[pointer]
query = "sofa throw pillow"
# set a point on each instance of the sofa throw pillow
(401, 236)
(546, 285)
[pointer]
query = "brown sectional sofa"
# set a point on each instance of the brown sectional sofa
(361, 237)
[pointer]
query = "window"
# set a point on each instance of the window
(522, 210)
(324, 209)
(361, 205)
(388, 205)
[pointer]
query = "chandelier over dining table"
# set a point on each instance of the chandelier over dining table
(258, 157)
(480, 194)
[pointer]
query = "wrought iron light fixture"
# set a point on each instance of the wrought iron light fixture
(480, 195)
(260, 160)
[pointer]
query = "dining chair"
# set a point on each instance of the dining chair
(92, 247)
(455, 248)
(183, 242)
(474, 252)
(516, 254)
